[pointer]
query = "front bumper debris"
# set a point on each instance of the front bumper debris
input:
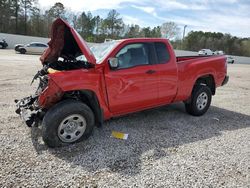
(28, 109)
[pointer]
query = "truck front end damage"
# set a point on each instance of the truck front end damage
(32, 108)
(67, 51)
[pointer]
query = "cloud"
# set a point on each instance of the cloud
(147, 9)
(228, 16)
(180, 5)
(150, 10)
(91, 5)
(132, 20)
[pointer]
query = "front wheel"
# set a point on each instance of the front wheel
(200, 101)
(67, 122)
(22, 51)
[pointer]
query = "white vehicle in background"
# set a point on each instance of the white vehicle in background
(219, 52)
(230, 59)
(32, 48)
(205, 52)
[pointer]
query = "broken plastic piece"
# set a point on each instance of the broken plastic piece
(119, 135)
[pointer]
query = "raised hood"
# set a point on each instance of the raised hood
(65, 42)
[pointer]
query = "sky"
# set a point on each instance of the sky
(226, 16)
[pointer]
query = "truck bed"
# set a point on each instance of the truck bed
(181, 59)
(190, 68)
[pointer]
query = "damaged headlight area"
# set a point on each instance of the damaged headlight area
(28, 108)
(32, 108)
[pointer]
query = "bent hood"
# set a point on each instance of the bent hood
(65, 41)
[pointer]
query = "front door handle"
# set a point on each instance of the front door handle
(151, 72)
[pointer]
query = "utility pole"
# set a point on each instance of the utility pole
(16, 14)
(185, 26)
(25, 17)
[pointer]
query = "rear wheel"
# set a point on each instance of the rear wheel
(22, 51)
(200, 101)
(66, 123)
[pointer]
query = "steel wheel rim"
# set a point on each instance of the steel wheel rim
(202, 101)
(71, 128)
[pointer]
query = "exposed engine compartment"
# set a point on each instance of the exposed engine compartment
(63, 54)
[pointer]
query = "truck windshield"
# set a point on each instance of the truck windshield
(101, 50)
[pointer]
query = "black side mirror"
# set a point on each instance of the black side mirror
(113, 63)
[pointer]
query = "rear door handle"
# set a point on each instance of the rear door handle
(150, 72)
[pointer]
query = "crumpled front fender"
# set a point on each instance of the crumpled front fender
(52, 94)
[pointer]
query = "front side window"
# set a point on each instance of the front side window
(133, 55)
(42, 45)
(32, 45)
(162, 52)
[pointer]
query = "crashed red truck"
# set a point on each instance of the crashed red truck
(81, 87)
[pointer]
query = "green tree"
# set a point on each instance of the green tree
(35, 23)
(145, 32)
(57, 10)
(156, 32)
(26, 6)
(86, 25)
(113, 24)
(133, 31)
(6, 15)
(170, 30)
(245, 46)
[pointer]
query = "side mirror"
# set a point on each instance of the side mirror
(113, 63)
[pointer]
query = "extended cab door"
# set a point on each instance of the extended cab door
(166, 69)
(133, 85)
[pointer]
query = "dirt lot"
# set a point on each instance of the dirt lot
(165, 148)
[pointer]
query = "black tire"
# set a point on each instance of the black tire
(22, 51)
(57, 114)
(16, 48)
(233, 62)
(192, 106)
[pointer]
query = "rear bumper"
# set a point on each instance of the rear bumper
(225, 81)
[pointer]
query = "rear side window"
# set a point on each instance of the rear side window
(162, 52)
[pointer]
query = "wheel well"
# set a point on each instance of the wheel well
(89, 98)
(22, 49)
(208, 80)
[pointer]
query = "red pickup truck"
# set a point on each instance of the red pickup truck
(81, 87)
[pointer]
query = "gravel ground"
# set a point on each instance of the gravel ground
(165, 148)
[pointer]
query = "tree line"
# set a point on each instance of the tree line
(196, 40)
(26, 18)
